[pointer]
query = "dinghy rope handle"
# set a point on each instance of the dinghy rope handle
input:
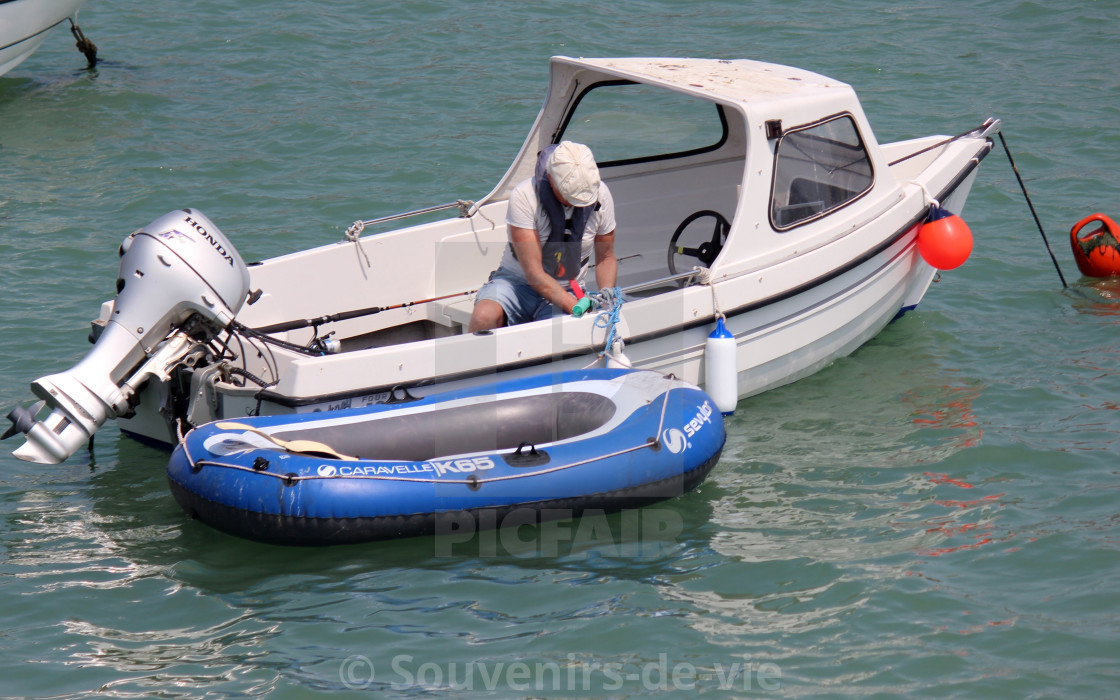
(472, 482)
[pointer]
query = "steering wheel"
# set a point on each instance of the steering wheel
(707, 251)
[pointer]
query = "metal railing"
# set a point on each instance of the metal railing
(463, 205)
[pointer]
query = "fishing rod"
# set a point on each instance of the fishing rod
(346, 315)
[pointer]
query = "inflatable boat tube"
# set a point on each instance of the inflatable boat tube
(552, 446)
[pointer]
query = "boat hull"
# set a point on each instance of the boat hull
(24, 25)
(778, 340)
(599, 440)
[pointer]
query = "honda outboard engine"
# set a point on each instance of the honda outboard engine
(177, 269)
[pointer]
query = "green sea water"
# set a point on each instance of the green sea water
(937, 515)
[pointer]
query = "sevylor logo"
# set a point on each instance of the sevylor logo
(703, 416)
(674, 440)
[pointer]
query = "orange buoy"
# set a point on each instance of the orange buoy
(1097, 252)
(944, 240)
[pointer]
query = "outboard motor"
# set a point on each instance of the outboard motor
(177, 269)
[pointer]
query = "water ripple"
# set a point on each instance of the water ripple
(932, 516)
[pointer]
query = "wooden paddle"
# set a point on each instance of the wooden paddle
(298, 446)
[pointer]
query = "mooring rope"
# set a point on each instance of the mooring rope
(87, 47)
(609, 319)
(354, 235)
(1014, 169)
(704, 278)
(1033, 212)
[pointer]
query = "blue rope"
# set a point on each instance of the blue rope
(609, 318)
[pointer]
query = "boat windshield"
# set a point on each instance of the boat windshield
(817, 169)
(625, 122)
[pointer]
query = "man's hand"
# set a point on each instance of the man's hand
(583, 302)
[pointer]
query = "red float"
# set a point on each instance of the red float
(1097, 252)
(944, 241)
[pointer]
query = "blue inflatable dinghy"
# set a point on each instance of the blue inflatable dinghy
(556, 444)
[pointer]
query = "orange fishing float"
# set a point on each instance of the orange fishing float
(944, 240)
(1097, 252)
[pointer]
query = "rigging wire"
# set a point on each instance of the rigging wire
(939, 144)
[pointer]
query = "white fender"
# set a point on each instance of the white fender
(721, 375)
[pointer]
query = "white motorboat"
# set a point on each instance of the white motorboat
(24, 25)
(746, 191)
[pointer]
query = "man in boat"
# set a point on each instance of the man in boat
(556, 219)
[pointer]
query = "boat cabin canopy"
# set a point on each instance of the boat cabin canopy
(770, 148)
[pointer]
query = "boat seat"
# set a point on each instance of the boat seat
(459, 312)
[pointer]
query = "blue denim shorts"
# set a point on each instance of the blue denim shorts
(518, 300)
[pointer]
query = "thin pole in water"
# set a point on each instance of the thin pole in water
(1033, 212)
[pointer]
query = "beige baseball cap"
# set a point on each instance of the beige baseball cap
(574, 173)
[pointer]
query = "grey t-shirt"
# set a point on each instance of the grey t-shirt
(526, 212)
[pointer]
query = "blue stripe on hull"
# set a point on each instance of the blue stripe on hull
(903, 311)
